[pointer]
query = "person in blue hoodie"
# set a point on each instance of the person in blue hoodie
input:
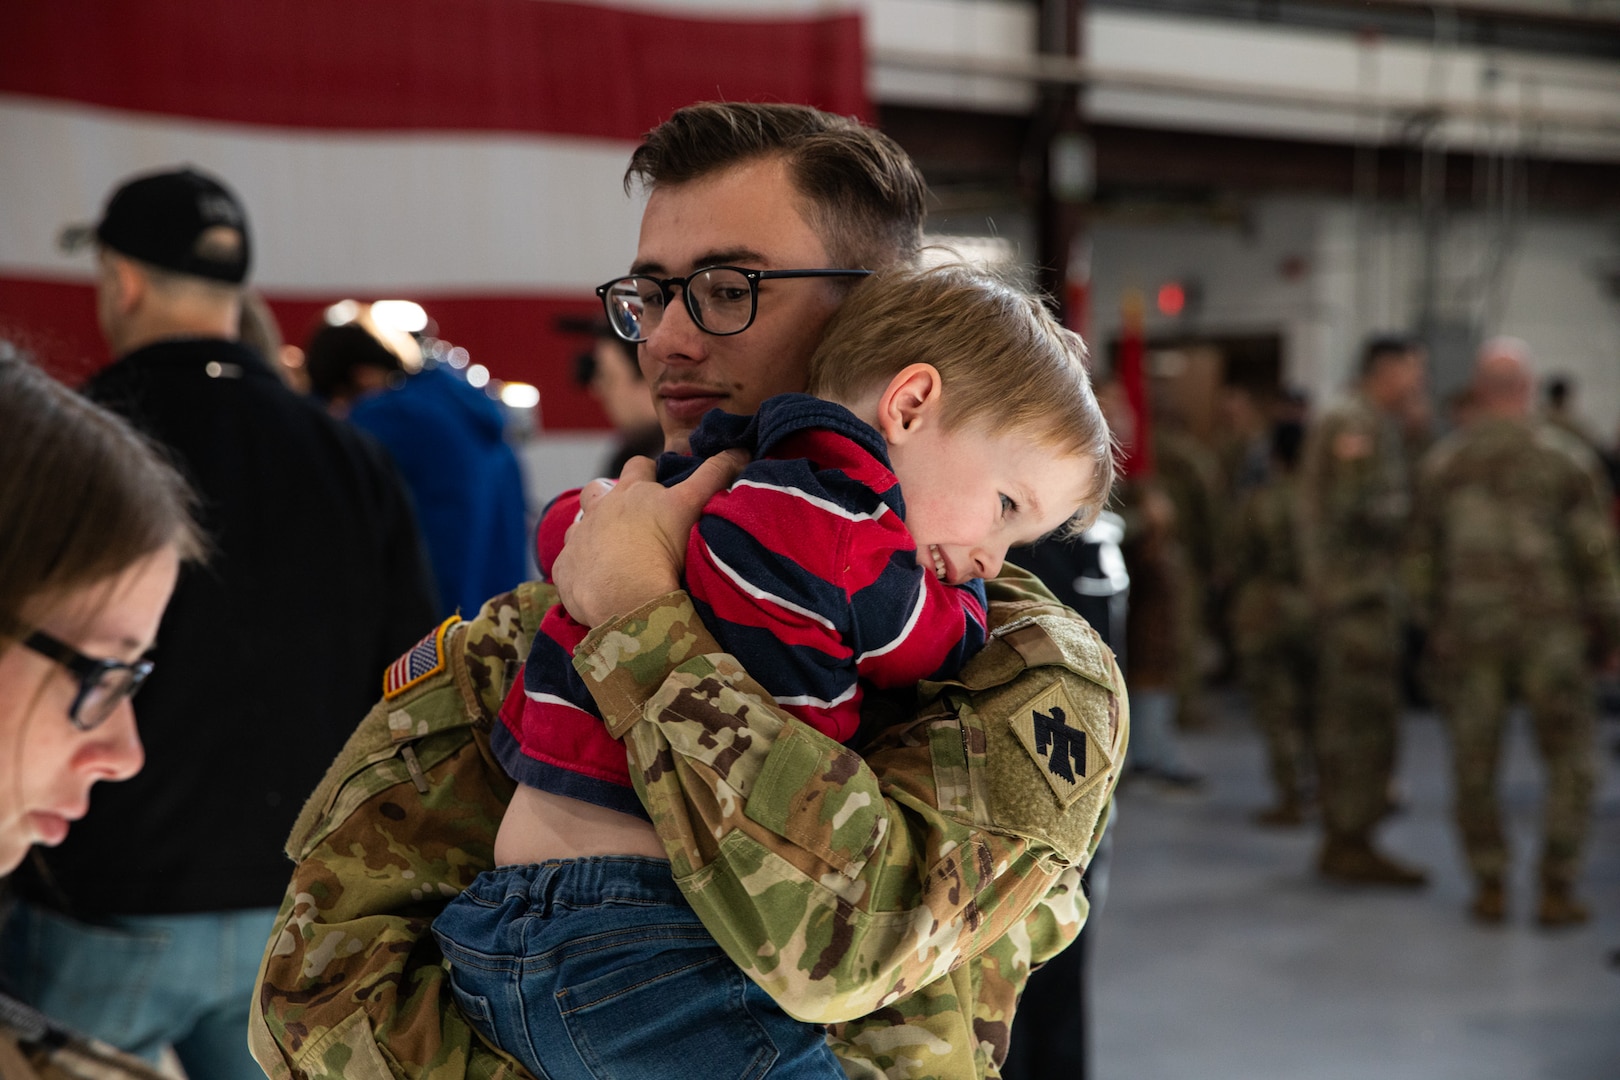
(448, 441)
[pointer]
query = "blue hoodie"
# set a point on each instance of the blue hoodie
(448, 440)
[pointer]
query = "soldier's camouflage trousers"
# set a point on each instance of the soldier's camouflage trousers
(1477, 682)
(1358, 702)
(1279, 674)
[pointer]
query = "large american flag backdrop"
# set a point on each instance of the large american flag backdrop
(466, 154)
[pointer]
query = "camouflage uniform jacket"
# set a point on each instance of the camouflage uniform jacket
(1354, 504)
(1270, 601)
(1190, 474)
(33, 1048)
(902, 897)
(1511, 529)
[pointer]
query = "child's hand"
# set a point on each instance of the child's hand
(629, 544)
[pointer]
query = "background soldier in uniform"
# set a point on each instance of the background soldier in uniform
(1189, 473)
(1512, 568)
(1354, 508)
(1272, 624)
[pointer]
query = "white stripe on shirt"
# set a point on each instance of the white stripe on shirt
(816, 703)
(905, 631)
(553, 699)
(760, 594)
(823, 504)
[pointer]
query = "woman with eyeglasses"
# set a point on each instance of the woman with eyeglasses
(93, 529)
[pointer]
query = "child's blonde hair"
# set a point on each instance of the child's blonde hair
(1005, 363)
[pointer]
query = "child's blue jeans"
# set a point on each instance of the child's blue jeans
(598, 969)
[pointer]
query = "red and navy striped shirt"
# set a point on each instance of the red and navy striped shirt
(803, 570)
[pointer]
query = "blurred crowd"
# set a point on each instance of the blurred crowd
(1344, 563)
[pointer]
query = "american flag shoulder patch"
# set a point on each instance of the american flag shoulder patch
(423, 659)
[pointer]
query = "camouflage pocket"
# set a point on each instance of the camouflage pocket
(836, 810)
(347, 1051)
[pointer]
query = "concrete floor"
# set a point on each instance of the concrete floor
(1219, 956)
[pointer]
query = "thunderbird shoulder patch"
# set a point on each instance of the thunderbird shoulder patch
(425, 658)
(1071, 760)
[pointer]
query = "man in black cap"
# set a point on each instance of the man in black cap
(146, 927)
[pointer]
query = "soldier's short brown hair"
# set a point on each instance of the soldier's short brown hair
(1005, 363)
(864, 196)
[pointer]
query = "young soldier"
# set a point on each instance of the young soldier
(1355, 500)
(1272, 626)
(899, 895)
(953, 418)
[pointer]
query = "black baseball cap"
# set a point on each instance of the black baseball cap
(164, 219)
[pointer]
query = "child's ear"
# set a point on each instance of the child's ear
(912, 401)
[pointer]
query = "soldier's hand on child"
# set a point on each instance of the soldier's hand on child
(629, 545)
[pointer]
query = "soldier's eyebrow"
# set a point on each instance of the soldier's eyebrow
(735, 256)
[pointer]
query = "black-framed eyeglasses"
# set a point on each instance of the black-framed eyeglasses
(722, 300)
(103, 684)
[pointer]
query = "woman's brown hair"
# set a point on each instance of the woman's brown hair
(83, 496)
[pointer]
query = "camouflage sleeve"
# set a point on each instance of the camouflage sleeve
(1246, 558)
(1319, 481)
(1201, 507)
(352, 985)
(930, 1033)
(961, 1025)
(843, 885)
(1592, 557)
(1420, 565)
(1351, 506)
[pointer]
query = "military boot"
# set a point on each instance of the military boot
(1559, 906)
(1490, 901)
(1352, 860)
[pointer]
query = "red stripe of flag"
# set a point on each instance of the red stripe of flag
(462, 65)
(514, 336)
